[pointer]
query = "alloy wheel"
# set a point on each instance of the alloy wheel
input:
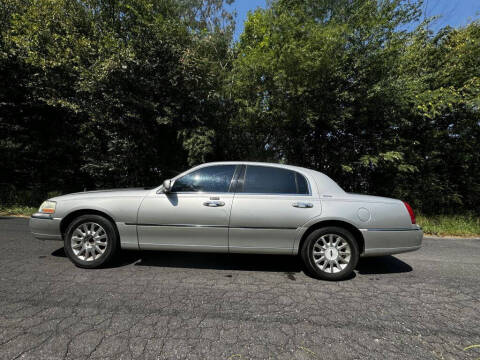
(331, 253)
(89, 241)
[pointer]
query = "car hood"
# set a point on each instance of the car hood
(104, 193)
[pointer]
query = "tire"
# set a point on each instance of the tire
(332, 248)
(96, 247)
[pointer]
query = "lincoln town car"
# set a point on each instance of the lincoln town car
(233, 207)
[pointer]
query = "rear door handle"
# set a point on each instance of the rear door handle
(302, 205)
(213, 203)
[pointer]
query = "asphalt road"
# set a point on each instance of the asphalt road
(154, 305)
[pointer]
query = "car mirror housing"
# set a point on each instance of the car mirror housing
(167, 185)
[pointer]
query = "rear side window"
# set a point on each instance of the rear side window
(207, 179)
(272, 180)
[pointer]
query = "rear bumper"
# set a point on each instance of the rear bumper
(45, 227)
(391, 241)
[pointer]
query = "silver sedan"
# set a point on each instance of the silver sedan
(233, 207)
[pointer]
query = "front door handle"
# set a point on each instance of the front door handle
(302, 205)
(213, 203)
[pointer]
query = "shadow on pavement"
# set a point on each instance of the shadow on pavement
(276, 263)
(59, 253)
(382, 265)
(248, 262)
(290, 265)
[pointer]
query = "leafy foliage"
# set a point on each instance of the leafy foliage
(116, 88)
(117, 93)
(336, 86)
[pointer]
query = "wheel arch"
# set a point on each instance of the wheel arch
(357, 234)
(67, 220)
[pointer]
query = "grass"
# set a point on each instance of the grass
(450, 225)
(438, 225)
(17, 210)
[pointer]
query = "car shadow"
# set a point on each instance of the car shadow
(213, 261)
(60, 252)
(382, 265)
(289, 265)
(219, 261)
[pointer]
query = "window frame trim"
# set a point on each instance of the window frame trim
(244, 173)
(235, 174)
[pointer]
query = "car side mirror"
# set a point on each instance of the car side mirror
(167, 186)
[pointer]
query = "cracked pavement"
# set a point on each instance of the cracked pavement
(164, 305)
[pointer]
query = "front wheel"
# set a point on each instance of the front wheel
(90, 241)
(330, 253)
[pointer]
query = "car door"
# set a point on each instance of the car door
(194, 215)
(270, 204)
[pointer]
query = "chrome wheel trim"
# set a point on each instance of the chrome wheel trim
(331, 253)
(89, 241)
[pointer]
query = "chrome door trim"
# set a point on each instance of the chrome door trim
(179, 225)
(263, 228)
(198, 192)
(216, 226)
(277, 194)
(391, 229)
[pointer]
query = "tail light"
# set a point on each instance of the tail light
(410, 212)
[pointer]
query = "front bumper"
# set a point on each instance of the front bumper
(391, 241)
(45, 227)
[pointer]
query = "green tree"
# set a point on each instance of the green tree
(98, 93)
(340, 87)
(441, 77)
(132, 83)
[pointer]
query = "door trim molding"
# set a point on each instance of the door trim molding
(179, 225)
(216, 226)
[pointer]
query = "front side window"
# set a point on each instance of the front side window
(272, 180)
(208, 179)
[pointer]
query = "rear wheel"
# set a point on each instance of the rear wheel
(90, 241)
(330, 253)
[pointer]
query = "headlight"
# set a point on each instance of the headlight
(47, 207)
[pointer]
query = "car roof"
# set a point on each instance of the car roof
(259, 163)
(324, 183)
